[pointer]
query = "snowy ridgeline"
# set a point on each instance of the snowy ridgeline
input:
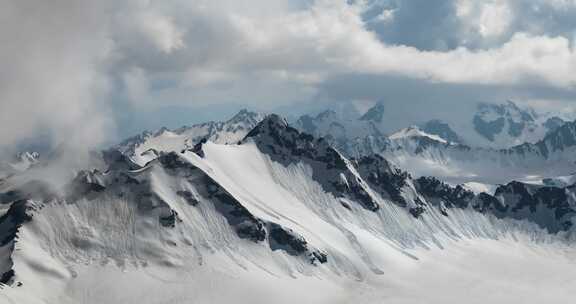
(527, 146)
(281, 217)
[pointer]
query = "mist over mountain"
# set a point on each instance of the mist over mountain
(259, 198)
(287, 151)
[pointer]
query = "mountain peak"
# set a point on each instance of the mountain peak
(504, 120)
(375, 114)
(441, 129)
(271, 124)
(28, 157)
(415, 131)
(147, 146)
(245, 115)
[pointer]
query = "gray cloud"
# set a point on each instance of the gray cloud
(409, 100)
(426, 25)
(281, 53)
(449, 24)
(71, 64)
(51, 83)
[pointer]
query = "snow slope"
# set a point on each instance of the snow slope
(495, 144)
(506, 125)
(425, 156)
(255, 222)
(146, 146)
(19, 163)
(414, 131)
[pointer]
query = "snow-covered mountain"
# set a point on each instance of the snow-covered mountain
(349, 133)
(480, 150)
(414, 132)
(506, 125)
(490, 125)
(423, 154)
(147, 146)
(281, 216)
(19, 163)
(442, 130)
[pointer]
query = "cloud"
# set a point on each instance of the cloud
(448, 24)
(408, 100)
(262, 56)
(491, 19)
(52, 82)
(70, 64)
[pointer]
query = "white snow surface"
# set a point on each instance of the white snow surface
(414, 131)
(146, 147)
(20, 163)
(107, 251)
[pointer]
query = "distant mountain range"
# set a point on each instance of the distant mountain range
(329, 197)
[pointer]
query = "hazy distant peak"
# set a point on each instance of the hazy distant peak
(375, 114)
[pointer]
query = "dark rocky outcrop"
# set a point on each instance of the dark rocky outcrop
(10, 224)
(188, 197)
(383, 177)
(116, 160)
(489, 129)
(286, 145)
(441, 129)
(285, 239)
(551, 208)
(487, 203)
(494, 119)
(197, 149)
(169, 220)
(247, 226)
(439, 193)
(84, 185)
(375, 113)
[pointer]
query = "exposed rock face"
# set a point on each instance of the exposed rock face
(360, 178)
(442, 130)
(508, 120)
(287, 145)
(10, 223)
(357, 180)
(354, 136)
(486, 203)
(553, 123)
(551, 155)
(197, 149)
(551, 208)
(115, 160)
(285, 239)
(177, 186)
(86, 184)
(442, 194)
(391, 183)
(493, 119)
(188, 197)
(374, 114)
(148, 146)
(169, 219)
(247, 226)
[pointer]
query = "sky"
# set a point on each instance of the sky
(80, 74)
